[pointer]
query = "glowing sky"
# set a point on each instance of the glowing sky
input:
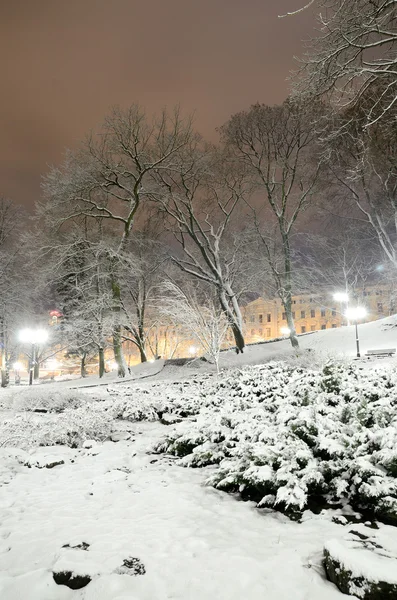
(65, 62)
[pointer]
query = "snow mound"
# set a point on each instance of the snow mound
(364, 565)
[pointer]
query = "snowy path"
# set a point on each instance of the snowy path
(196, 543)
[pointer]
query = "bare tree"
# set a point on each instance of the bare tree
(140, 285)
(201, 199)
(204, 321)
(108, 181)
(17, 284)
(276, 146)
(363, 164)
(356, 48)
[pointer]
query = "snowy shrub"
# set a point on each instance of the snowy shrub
(289, 437)
(45, 400)
(139, 403)
(70, 428)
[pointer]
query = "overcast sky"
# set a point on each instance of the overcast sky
(65, 62)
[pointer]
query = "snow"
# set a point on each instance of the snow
(365, 559)
(195, 542)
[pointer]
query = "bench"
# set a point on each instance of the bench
(381, 352)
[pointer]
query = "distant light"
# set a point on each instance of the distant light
(151, 360)
(33, 336)
(52, 364)
(285, 330)
(113, 365)
(341, 297)
(380, 268)
(356, 313)
(17, 366)
(192, 350)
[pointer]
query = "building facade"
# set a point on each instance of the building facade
(264, 319)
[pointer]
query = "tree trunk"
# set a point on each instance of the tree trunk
(5, 377)
(287, 292)
(142, 354)
(235, 326)
(101, 362)
(36, 370)
(83, 372)
(117, 345)
(290, 321)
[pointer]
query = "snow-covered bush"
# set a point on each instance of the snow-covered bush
(45, 400)
(149, 403)
(289, 437)
(70, 428)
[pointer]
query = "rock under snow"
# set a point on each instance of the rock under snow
(364, 565)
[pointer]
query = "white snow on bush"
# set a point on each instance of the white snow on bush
(284, 436)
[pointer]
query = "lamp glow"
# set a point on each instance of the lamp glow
(33, 336)
(17, 366)
(285, 330)
(341, 297)
(356, 313)
(192, 350)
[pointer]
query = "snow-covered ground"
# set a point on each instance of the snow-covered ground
(195, 542)
(123, 502)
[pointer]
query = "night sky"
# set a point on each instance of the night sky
(65, 62)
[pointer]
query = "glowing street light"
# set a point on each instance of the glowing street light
(285, 330)
(341, 297)
(192, 350)
(356, 314)
(34, 337)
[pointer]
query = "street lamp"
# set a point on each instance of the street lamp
(285, 330)
(356, 314)
(34, 337)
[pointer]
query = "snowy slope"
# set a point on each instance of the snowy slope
(339, 342)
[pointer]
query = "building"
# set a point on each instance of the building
(264, 319)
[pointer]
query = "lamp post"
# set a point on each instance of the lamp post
(343, 298)
(34, 337)
(355, 314)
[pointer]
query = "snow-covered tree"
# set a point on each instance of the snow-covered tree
(201, 199)
(354, 51)
(205, 321)
(107, 182)
(16, 284)
(277, 147)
